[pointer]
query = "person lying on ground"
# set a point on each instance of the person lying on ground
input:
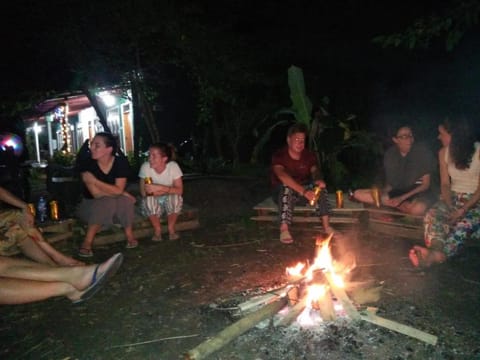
(456, 217)
(19, 234)
(163, 195)
(408, 169)
(294, 174)
(105, 200)
(24, 281)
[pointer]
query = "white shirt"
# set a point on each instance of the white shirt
(465, 181)
(171, 172)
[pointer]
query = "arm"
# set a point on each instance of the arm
(158, 190)
(287, 180)
(424, 186)
(9, 198)
(99, 188)
(141, 185)
(469, 204)
(445, 191)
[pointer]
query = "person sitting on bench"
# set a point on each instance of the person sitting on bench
(456, 217)
(408, 167)
(18, 234)
(295, 173)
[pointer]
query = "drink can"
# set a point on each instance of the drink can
(339, 196)
(31, 208)
(148, 180)
(376, 196)
(54, 210)
(316, 193)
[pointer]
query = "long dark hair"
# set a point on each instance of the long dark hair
(462, 145)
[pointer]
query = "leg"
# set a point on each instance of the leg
(23, 281)
(157, 227)
(323, 210)
(86, 247)
(125, 212)
(286, 204)
(173, 207)
(413, 207)
(150, 208)
(364, 196)
(36, 248)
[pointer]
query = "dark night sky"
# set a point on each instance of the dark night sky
(330, 40)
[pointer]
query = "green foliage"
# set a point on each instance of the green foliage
(301, 104)
(63, 158)
(451, 26)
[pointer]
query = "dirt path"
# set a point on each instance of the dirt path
(167, 290)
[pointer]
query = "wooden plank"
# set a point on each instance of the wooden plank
(369, 316)
(108, 238)
(394, 213)
(269, 205)
(308, 219)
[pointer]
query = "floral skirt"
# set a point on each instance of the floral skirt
(12, 231)
(441, 234)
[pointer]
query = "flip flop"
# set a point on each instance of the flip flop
(157, 238)
(99, 280)
(173, 236)
(85, 253)
(285, 237)
(132, 245)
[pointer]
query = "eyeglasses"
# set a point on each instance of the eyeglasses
(405, 137)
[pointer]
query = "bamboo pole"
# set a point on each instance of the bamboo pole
(233, 331)
(400, 328)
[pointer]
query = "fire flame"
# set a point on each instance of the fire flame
(323, 262)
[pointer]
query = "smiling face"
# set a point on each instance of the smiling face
(404, 140)
(444, 136)
(99, 149)
(296, 143)
(157, 159)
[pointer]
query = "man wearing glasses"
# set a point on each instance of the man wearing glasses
(408, 168)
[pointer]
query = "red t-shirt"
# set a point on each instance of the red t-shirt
(299, 170)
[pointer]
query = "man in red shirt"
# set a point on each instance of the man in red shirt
(295, 173)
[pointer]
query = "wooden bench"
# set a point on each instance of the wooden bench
(187, 220)
(380, 220)
(54, 231)
(267, 210)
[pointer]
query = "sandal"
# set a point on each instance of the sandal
(173, 236)
(132, 244)
(157, 238)
(85, 253)
(423, 259)
(285, 237)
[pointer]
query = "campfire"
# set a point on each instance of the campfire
(315, 293)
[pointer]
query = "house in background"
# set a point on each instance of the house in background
(64, 122)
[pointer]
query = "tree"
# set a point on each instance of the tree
(451, 24)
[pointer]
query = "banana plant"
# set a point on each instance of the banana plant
(300, 111)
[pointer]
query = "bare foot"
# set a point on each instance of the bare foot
(424, 258)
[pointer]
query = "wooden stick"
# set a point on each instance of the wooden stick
(153, 341)
(293, 312)
(233, 331)
(402, 329)
(342, 296)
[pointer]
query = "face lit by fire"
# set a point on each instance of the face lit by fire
(99, 149)
(296, 142)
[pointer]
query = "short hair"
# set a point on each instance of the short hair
(297, 128)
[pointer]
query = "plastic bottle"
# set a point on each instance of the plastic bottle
(42, 209)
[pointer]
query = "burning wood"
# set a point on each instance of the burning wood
(310, 291)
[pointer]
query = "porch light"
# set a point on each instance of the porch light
(37, 129)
